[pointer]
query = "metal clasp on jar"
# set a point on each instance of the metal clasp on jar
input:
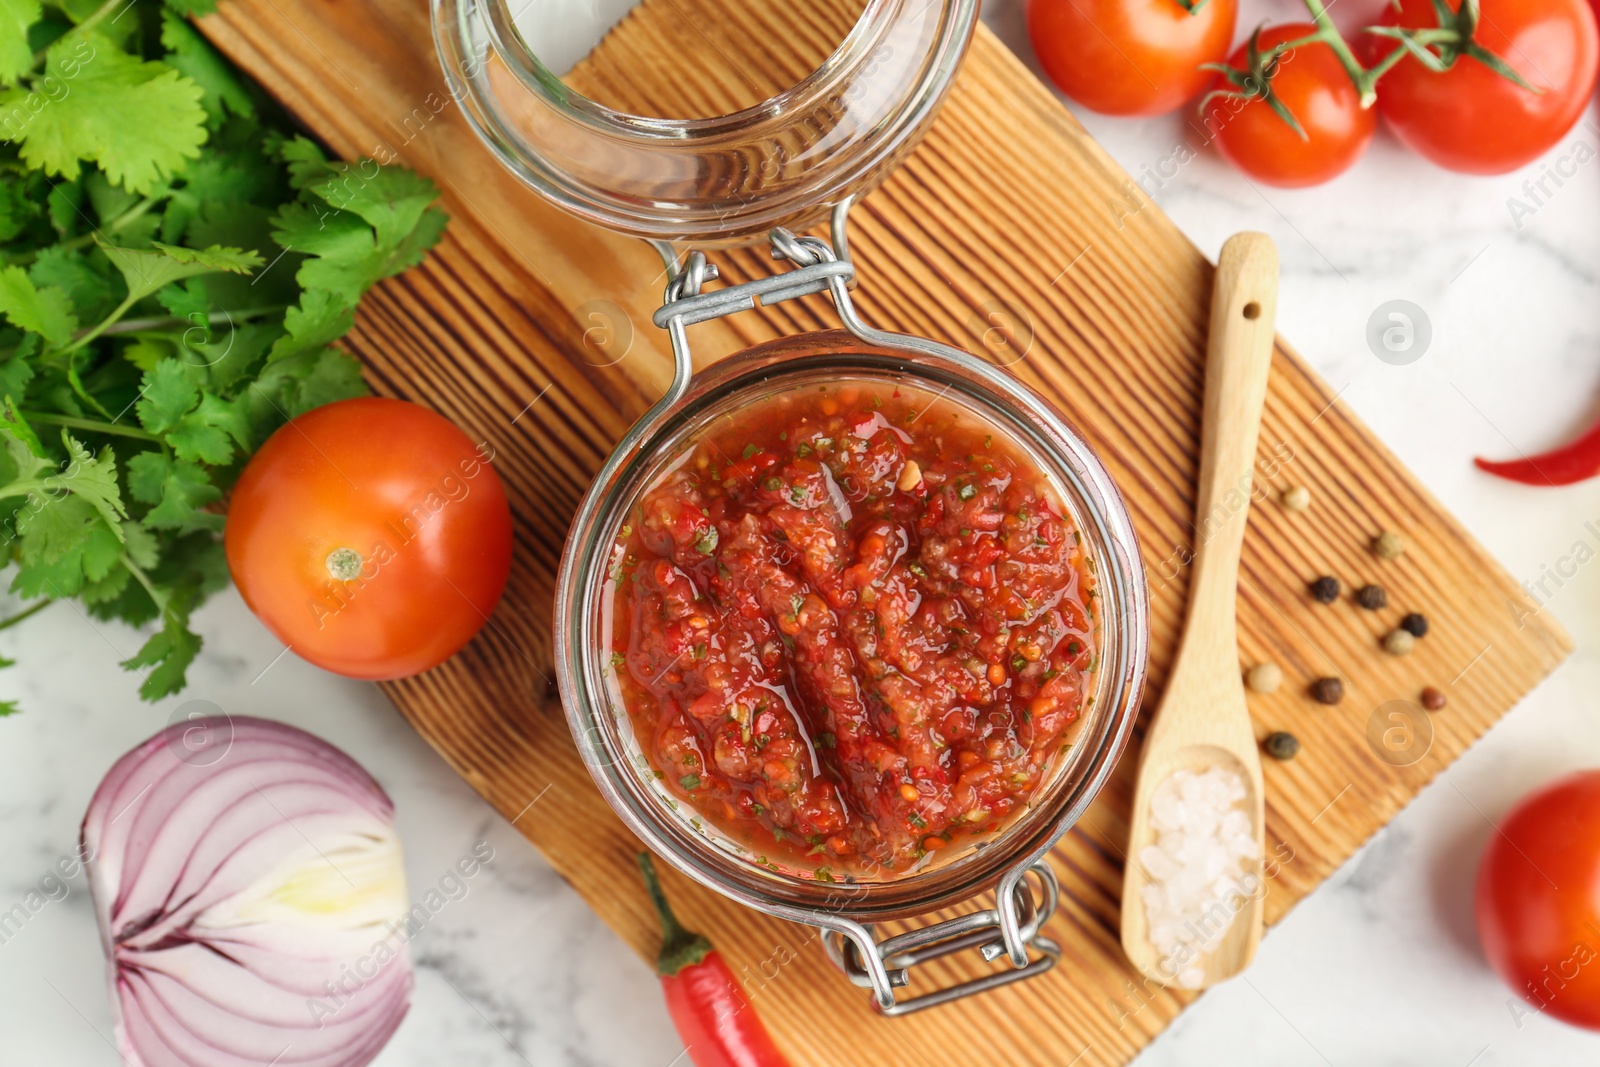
(819, 266)
(884, 966)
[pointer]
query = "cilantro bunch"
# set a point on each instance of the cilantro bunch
(175, 264)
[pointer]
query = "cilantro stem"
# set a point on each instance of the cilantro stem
(143, 579)
(116, 224)
(94, 18)
(134, 213)
(72, 422)
(99, 14)
(22, 487)
(26, 613)
(108, 324)
(95, 331)
(216, 318)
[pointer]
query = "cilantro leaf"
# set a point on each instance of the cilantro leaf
(91, 478)
(147, 476)
(391, 200)
(47, 533)
(167, 395)
(47, 311)
(140, 545)
(30, 458)
(106, 198)
(16, 58)
(101, 590)
(145, 353)
(65, 206)
(88, 282)
(231, 186)
(131, 604)
(366, 228)
(232, 354)
(304, 159)
(209, 432)
(68, 529)
(17, 209)
(200, 427)
(190, 54)
(15, 374)
(147, 271)
(233, 175)
(321, 318)
(140, 122)
(171, 649)
(180, 491)
(333, 375)
(63, 546)
(344, 258)
(187, 302)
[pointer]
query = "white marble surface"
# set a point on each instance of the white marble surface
(1378, 967)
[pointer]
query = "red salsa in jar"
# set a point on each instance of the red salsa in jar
(852, 626)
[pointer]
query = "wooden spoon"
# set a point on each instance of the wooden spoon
(1202, 721)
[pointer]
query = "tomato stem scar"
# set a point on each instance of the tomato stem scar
(344, 564)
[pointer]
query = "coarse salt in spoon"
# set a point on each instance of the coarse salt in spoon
(1193, 890)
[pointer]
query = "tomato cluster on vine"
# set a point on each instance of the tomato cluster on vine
(1475, 86)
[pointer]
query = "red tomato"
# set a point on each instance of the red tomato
(371, 536)
(1539, 899)
(1129, 57)
(1314, 86)
(1471, 119)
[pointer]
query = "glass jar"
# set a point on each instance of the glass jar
(603, 730)
(713, 181)
(787, 163)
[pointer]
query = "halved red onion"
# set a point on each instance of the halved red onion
(248, 885)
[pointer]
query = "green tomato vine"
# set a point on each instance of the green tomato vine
(1438, 48)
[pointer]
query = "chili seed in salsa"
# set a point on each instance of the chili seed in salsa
(855, 626)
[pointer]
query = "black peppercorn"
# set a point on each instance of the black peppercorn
(1325, 589)
(1372, 597)
(1282, 745)
(1414, 624)
(1328, 690)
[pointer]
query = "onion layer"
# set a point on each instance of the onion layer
(248, 885)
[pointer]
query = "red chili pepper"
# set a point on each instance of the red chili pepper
(709, 1008)
(1570, 463)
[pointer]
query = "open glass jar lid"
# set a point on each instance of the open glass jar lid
(852, 626)
(710, 180)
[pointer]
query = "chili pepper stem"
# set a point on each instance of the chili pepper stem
(680, 947)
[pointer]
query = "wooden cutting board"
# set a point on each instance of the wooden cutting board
(1008, 232)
